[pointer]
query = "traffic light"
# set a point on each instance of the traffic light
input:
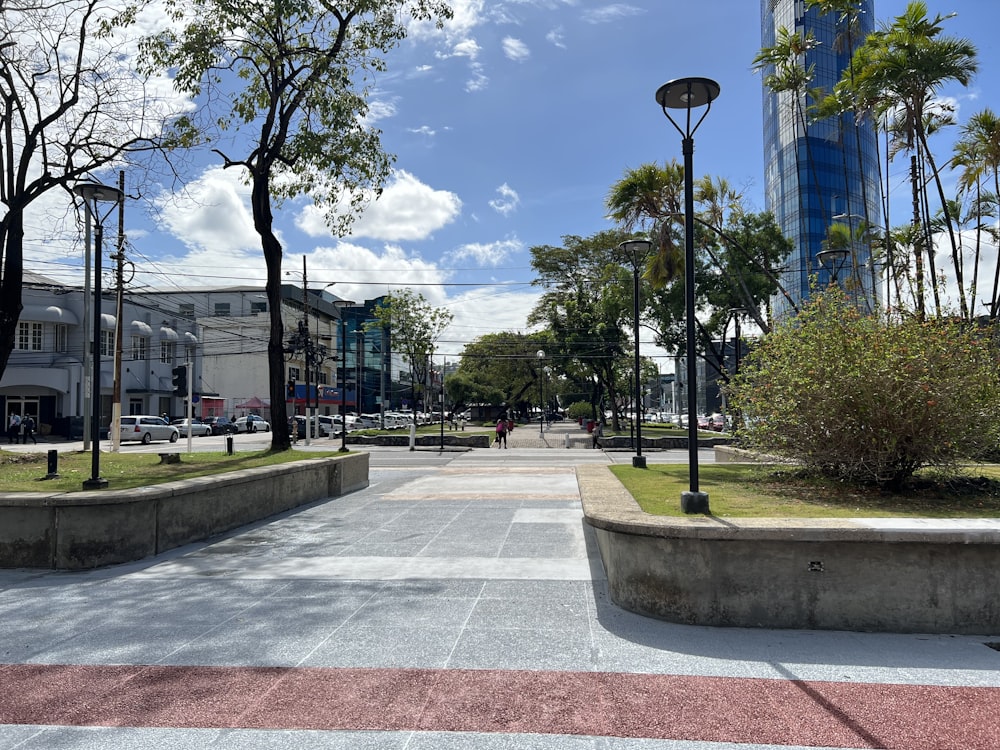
(290, 389)
(180, 380)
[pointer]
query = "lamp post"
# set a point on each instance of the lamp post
(685, 94)
(341, 304)
(637, 251)
(833, 259)
(93, 193)
(541, 396)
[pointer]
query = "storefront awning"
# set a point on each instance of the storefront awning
(49, 314)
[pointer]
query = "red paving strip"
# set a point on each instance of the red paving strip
(711, 709)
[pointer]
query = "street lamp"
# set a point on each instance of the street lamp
(637, 252)
(341, 304)
(834, 260)
(685, 94)
(93, 193)
(541, 395)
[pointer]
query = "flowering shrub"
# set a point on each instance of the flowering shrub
(870, 399)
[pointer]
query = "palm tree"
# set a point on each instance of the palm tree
(978, 153)
(901, 67)
(652, 197)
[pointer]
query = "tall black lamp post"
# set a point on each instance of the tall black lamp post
(686, 94)
(541, 394)
(93, 193)
(637, 252)
(341, 304)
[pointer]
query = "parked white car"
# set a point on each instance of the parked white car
(252, 423)
(198, 428)
(144, 428)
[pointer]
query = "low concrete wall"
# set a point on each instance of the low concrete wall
(892, 575)
(73, 531)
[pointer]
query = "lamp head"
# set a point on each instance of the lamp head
(98, 193)
(833, 257)
(636, 250)
(686, 93)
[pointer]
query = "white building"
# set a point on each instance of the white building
(223, 333)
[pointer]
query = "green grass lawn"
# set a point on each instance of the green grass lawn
(25, 472)
(741, 491)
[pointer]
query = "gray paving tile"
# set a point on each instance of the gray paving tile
(385, 646)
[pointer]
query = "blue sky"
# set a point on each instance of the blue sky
(509, 128)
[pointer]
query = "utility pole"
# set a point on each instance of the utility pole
(119, 258)
(306, 345)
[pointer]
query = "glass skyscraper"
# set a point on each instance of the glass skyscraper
(817, 173)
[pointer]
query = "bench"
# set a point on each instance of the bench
(170, 458)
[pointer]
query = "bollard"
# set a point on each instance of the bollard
(53, 464)
(229, 444)
(567, 440)
(413, 437)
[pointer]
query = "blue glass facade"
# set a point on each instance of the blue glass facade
(823, 172)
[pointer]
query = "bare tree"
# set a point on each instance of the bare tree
(70, 105)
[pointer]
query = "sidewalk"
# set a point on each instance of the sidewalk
(457, 606)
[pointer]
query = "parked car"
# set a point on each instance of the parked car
(198, 428)
(252, 423)
(220, 425)
(144, 429)
(320, 426)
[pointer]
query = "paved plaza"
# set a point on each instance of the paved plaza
(457, 602)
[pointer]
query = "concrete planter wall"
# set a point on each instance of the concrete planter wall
(72, 531)
(891, 575)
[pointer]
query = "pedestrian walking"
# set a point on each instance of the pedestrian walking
(28, 430)
(501, 438)
(596, 434)
(13, 427)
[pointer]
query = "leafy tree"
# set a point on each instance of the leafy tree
(899, 69)
(502, 368)
(868, 399)
(587, 307)
(415, 326)
(68, 107)
(977, 155)
(292, 76)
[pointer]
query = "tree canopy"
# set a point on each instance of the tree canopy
(292, 76)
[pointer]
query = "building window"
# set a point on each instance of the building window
(29, 337)
(167, 352)
(139, 347)
(222, 309)
(186, 309)
(107, 343)
(258, 307)
(61, 333)
(293, 373)
(321, 377)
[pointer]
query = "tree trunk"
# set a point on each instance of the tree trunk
(11, 243)
(260, 200)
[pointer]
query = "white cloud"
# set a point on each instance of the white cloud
(507, 202)
(610, 13)
(487, 254)
(555, 38)
(380, 109)
(423, 130)
(212, 213)
(466, 48)
(515, 49)
(407, 210)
